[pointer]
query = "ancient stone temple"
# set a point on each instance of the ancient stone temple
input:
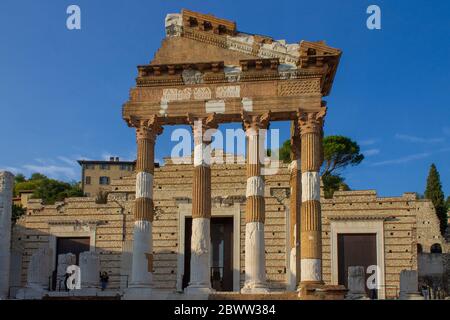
(207, 73)
(201, 225)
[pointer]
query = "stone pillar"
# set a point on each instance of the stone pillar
(142, 262)
(409, 285)
(356, 284)
(90, 270)
(311, 130)
(38, 276)
(255, 264)
(294, 210)
(200, 277)
(6, 187)
(64, 260)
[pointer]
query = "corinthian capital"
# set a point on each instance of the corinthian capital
(146, 128)
(255, 122)
(203, 127)
(311, 122)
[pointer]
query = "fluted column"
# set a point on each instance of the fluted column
(255, 264)
(200, 277)
(311, 130)
(142, 262)
(295, 204)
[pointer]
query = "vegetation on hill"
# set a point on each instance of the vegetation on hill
(434, 193)
(49, 190)
(339, 153)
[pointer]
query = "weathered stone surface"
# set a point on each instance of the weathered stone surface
(356, 283)
(64, 260)
(6, 189)
(90, 269)
(39, 269)
(229, 182)
(200, 257)
(409, 285)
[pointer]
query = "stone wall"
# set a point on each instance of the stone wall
(76, 217)
(111, 224)
(399, 218)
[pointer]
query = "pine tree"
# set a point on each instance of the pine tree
(434, 193)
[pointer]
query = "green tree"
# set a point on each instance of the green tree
(332, 183)
(17, 212)
(284, 152)
(339, 153)
(27, 185)
(49, 190)
(38, 176)
(19, 178)
(434, 193)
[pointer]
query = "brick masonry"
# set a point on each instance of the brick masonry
(407, 222)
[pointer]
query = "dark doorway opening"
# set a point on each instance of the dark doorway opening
(74, 245)
(356, 250)
(221, 253)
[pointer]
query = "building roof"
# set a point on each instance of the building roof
(81, 162)
(113, 162)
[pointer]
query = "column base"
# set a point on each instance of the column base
(252, 287)
(29, 293)
(315, 291)
(195, 289)
(140, 285)
(411, 296)
(137, 293)
(356, 296)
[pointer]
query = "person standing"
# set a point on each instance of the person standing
(104, 280)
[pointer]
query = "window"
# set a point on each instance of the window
(104, 166)
(104, 180)
(125, 167)
(87, 180)
(89, 166)
(436, 248)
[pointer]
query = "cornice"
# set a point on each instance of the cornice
(223, 33)
(216, 72)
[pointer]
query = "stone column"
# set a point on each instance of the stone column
(255, 264)
(38, 275)
(295, 203)
(200, 277)
(356, 284)
(142, 262)
(90, 270)
(409, 285)
(311, 130)
(6, 187)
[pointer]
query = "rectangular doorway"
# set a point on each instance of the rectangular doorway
(75, 245)
(356, 249)
(221, 253)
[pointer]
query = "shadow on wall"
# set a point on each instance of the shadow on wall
(433, 268)
(28, 242)
(36, 249)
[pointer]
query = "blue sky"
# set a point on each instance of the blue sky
(61, 91)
